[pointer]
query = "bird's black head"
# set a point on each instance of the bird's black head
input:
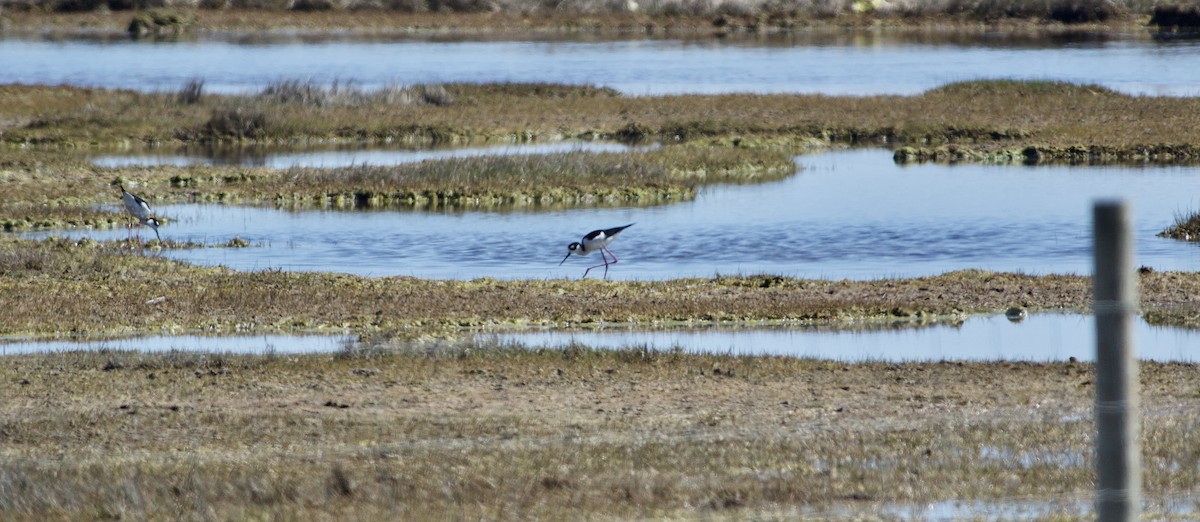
(571, 249)
(153, 223)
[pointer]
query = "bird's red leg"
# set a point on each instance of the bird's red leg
(605, 265)
(614, 261)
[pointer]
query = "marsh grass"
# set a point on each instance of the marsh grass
(236, 124)
(161, 22)
(60, 287)
(758, 14)
(514, 433)
(191, 93)
(50, 192)
(576, 179)
(63, 287)
(1010, 121)
(989, 118)
(347, 94)
(1186, 227)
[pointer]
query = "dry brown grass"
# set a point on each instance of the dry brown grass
(1185, 228)
(512, 434)
(1045, 120)
(61, 190)
(543, 180)
(591, 16)
(87, 289)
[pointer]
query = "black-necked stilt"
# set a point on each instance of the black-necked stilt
(593, 241)
(139, 209)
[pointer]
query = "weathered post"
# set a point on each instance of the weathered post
(1115, 301)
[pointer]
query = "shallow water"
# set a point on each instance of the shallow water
(851, 63)
(1041, 337)
(1164, 508)
(241, 344)
(851, 214)
(341, 156)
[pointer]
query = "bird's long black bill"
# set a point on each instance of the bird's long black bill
(564, 259)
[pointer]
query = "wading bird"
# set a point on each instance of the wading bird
(593, 241)
(139, 209)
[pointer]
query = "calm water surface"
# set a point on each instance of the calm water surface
(243, 344)
(1041, 337)
(340, 157)
(850, 64)
(852, 214)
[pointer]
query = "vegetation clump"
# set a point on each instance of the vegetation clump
(161, 21)
(235, 124)
(307, 92)
(191, 93)
(1185, 228)
(575, 179)
(651, 176)
(1175, 17)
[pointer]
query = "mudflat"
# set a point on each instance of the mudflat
(509, 433)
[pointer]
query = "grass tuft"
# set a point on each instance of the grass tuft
(309, 93)
(235, 123)
(161, 22)
(1176, 16)
(191, 93)
(1185, 228)
(1020, 88)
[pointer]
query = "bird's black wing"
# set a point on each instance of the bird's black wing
(610, 232)
(607, 232)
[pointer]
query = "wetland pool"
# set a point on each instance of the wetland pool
(240, 344)
(1041, 337)
(282, 158)
(839, 64)
(851, 214)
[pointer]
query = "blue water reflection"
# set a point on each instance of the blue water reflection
(854, 65)
(852, 214)
(343, 156)
(241, 344)
(1041, 337)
